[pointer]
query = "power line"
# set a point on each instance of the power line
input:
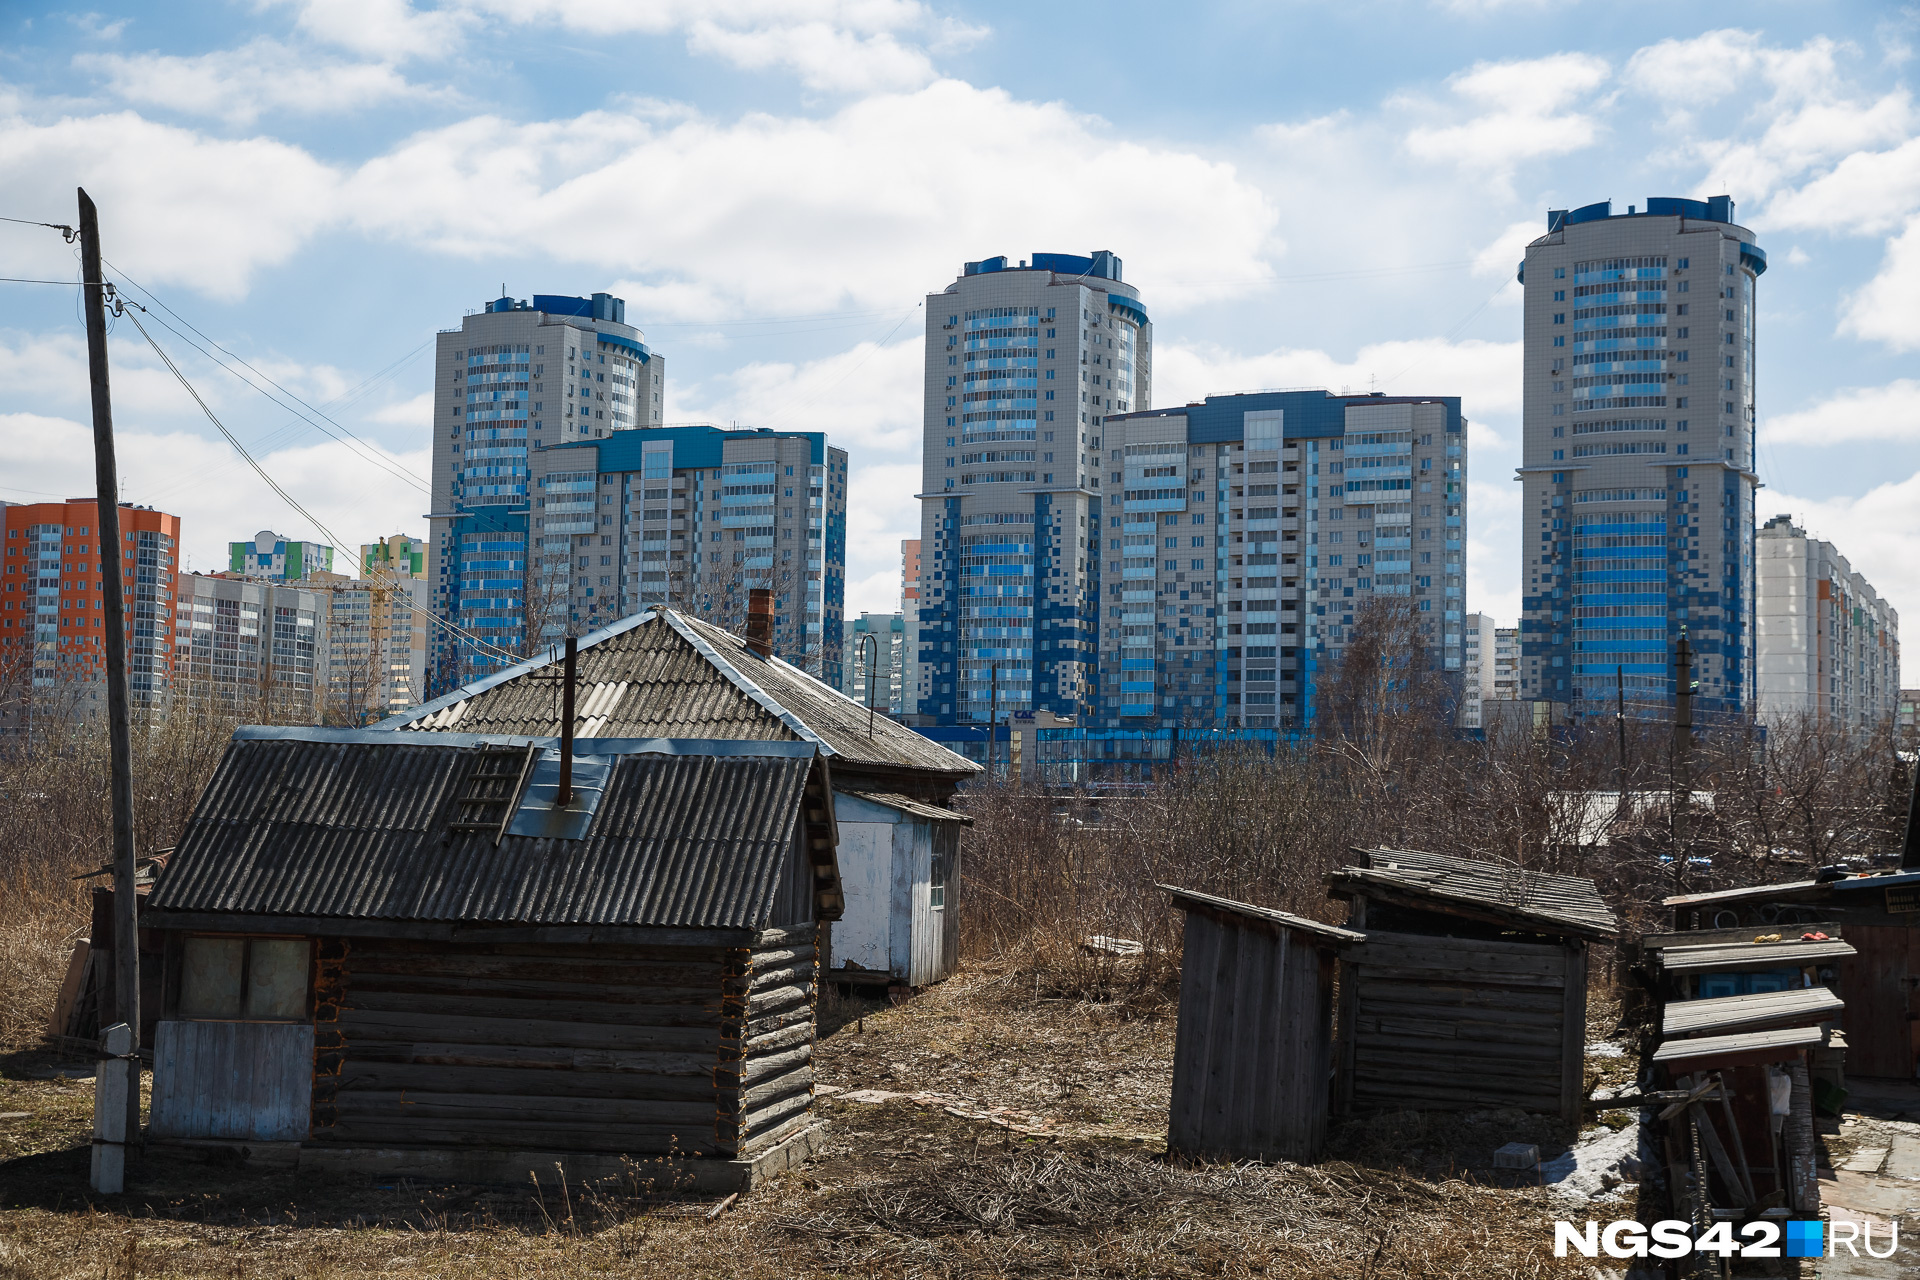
(61, 227)
(288, 498)
(368, 452)
(21, 280)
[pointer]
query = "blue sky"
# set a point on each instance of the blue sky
(1304, 194)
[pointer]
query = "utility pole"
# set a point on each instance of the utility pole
(993, 716)
(126, 903)
(1620, 725)
(1681, 800)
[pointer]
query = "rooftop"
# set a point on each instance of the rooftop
(663, 674)
(1103, 264)
(360, 825)
(1535, 900)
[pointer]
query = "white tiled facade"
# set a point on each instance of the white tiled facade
(1638, 439)
(1829, 643)
(1023, 364)
(517, 376)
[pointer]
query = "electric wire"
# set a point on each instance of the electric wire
(371, 453)
(61, 227)
(22, 280)
(288, 498)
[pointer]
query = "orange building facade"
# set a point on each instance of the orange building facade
(52, 598)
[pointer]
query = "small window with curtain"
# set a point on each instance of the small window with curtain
(242, 979)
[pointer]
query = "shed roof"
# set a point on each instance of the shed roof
(1745, 894)
(1465, 886)
(907, 804)
(1736, 957)
(662, 674)
(355, 824)
(1191, 899)
(1803, 1006)
(1749, 1046)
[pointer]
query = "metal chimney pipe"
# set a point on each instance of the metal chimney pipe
(760, 621)
(564, 796)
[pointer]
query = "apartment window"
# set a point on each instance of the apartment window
(1559, 295)
(1559, 340)
(1559, 273)
(1559, 317)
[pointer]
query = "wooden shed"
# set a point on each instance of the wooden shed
(665, 674)
(1880, 917)
(415, 954)
(898, 858)
(1744, 1026)
(1253, 1054)
(1470, 988)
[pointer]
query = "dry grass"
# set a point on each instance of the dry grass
(905, 1188)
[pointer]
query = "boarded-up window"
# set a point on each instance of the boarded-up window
(258, 979)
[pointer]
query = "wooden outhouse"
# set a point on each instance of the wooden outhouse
(1470, 988)
(666, 674)
(1253, 1054)
(431, 954)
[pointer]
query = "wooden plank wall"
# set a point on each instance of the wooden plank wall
(1252, 1052)
(519, 1045)
(1458, 1023)
(231, 1080)
(764, 1080)
(1881, 987)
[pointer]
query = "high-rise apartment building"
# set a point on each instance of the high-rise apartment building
(1638, 439)
(253, 647)
(278, 558)
(396, 568)
(1242, 537)
(693, 517)
(1023, 365)
(886, 652)
(1478, 645)
(516, 377)
(1506, 663)
(1829, 644)
(52, 619)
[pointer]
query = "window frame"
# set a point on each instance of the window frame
(176, 974)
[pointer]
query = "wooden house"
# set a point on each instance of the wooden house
(432, 954)
(1253, 1054)
(664, 674)
(1470, 988)
(1879, 916)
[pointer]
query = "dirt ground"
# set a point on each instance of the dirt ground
(1028, 1140)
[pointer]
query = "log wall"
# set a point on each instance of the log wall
(649, 1050)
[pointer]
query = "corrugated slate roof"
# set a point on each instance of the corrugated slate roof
(355, 825)
(664, 674)
(1552, 903)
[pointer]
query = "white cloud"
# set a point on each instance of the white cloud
(822, 56)
(1868, 192)
(217, 497)
(1504, 254)
(884, 513)
(1485, 375)
(386, 30)
(1524, 113)
(1878, 531)
(239, 85)
(416, 412)
(792, 215)
(852, 46)
(1887, 308)
(868, 398)
(1701, 69)
(176, 207)
(1891, 412)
